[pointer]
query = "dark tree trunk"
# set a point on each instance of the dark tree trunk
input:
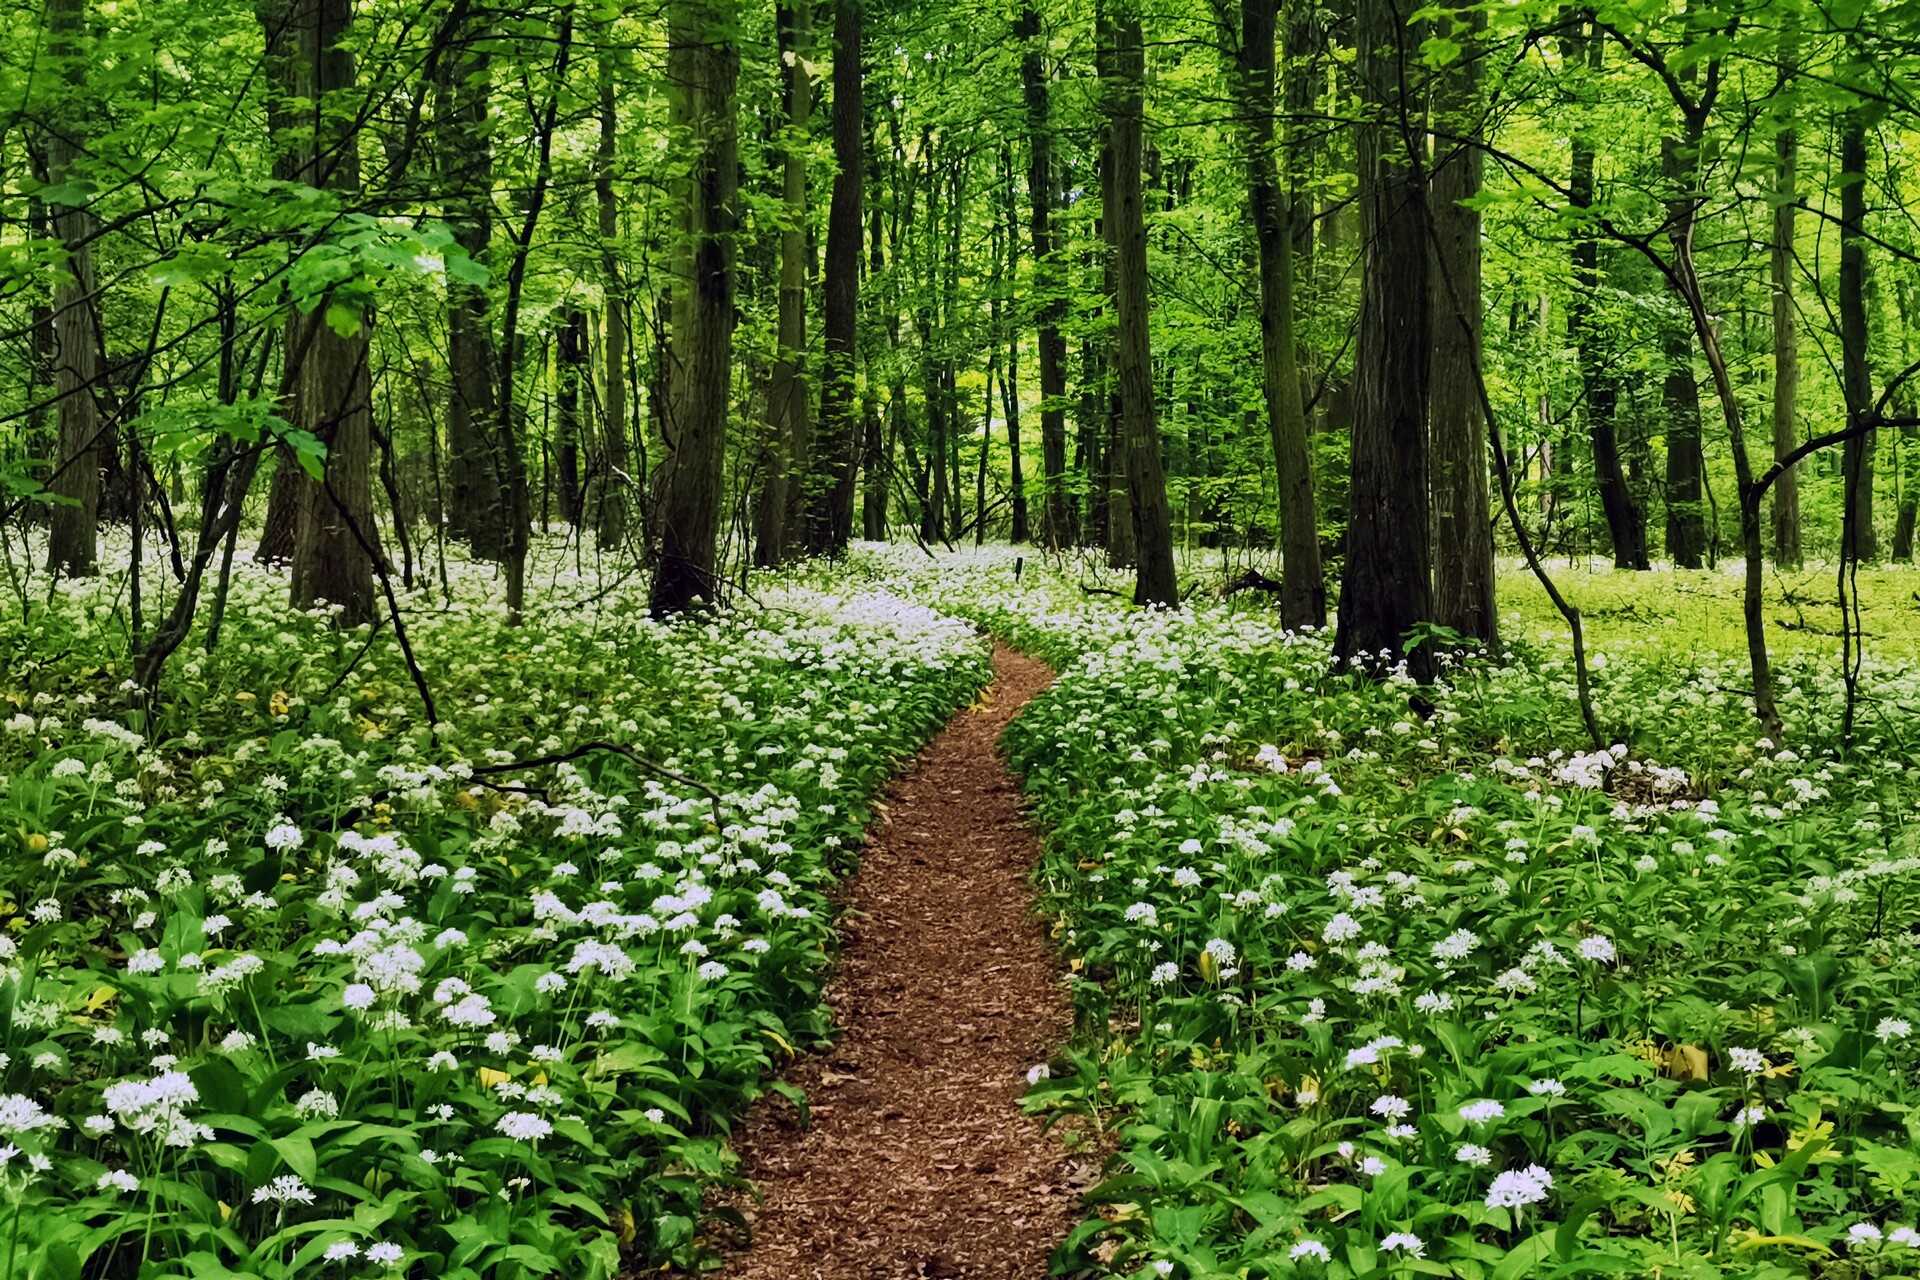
(1786, 337)
(1303, 591)
(837, 446)
(571, 357)
(789, 433)
(1010, 384)
(1858, 538)
(611, 485)
(1146, 485)
(1626, 520)
(1686, 462)
(704, 68)
(1387, 590)
(72, 536)
(335, 536)
(1462, 531)
(477, 507)
(1056, 523)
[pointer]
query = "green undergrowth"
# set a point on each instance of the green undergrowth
(292, 984)
(1378, 981)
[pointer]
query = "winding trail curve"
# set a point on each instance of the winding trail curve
(919, 1162)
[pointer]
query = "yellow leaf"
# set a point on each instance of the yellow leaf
(1687, 1062)
(489, 1077)
(780, 1040)
(100, 999)
(1751, 1240)
(226, 1210)
(279, 703)
(623, 1224)
(244, 696)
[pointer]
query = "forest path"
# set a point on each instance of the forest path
(919, 1162)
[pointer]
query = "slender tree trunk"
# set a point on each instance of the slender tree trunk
(1786, 336)
(837, 445)
(1154, 581)
(1387, 589)
(1303, 591)
(704, 68)
(72, 538)
(1859, 540)
(789, 433)
(1056, 513)
(570, 373)
(336, 538)
(1686, 462)
(1626, 520)
(477, 511)
(1462, 531)
(608, 501)
(1010, 384)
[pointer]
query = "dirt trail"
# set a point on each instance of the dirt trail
(919, 1162)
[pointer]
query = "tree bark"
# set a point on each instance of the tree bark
(477, 510)
(336, 538)
(1303, 594)
(1856, 375)
(1680, 393)
(1463, 535)
(608, 499)
(570, 372)
(72, 536)
(1786, 338)
(1146, 485)
(1387, 588)
(1056, 521)
(789, 434)
(704, 68)
(837, 444)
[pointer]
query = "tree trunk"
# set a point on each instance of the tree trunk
(1056, 524)
(608, 500)
(1686, 462)
(1462, 532)
(570, 373)
(1154, 581)
(1303, 592)
(837, 445)
(1387, 589)
(1858, 538)
(789, 434)
(1626, 520)
(72, 538)
(1786, 337)
(477, 510)
(704, 68)
(1010, 384)
(335, 537)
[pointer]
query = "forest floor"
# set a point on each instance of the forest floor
(918, 1161)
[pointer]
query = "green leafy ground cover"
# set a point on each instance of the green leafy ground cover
(288, 987)
(1370, 993)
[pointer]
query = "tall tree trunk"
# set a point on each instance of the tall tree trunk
(1686, 462)
(876, 454)
(1056, 513)
(570, 373)
(1154, 581)
(836, 448)
(704, 68)
(1856, 376)
(789, 433)
(72, 539)
(477, 509)
(608, 501)
(1303, 591)
(1010, 384)
(336, 539)
(1786, 336)
(1387, 588)
(1626, 520)
(1462, 532)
